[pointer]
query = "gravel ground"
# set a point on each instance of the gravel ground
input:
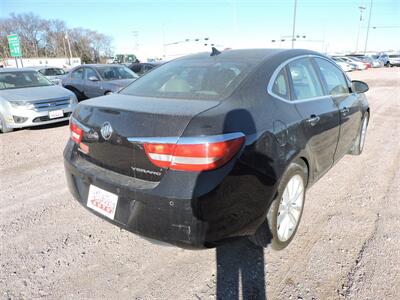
(347, 245)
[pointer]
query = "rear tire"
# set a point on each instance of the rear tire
(284, 207)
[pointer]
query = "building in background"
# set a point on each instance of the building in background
(61, 62)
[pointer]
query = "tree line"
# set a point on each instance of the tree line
(49, 38)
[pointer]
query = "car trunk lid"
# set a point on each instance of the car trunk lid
(136, 119)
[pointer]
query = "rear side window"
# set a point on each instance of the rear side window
(280, 86)
(52, 72)
(305, 80)
(191, 79)
(333, 77)
(135, 67)
(147, 68)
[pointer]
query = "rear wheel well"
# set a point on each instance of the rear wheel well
(302, 160)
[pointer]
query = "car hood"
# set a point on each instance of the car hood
(35, 93)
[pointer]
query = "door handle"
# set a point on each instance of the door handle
(313, 120)
(345, 110)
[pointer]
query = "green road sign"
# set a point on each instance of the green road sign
(14, 45)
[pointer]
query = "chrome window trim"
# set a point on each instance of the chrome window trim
(284, 64)
(202, 139)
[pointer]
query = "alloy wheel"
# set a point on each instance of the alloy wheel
(290, 208)
(363, 133)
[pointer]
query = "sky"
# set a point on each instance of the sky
(143, 27)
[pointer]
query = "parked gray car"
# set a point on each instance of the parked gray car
(88, 81)
(27, 99)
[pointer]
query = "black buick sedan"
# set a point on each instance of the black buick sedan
(209, 147)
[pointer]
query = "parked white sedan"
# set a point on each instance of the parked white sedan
(27, 99)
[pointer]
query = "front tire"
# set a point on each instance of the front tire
(358, 145)
(3, 126)
(79, 96)
(284, 214)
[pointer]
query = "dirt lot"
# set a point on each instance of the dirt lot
(347, 245)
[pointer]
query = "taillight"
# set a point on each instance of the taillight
(194, 156)
(76, 132)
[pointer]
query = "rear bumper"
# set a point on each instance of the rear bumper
(167, 213)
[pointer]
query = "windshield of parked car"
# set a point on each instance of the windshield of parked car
(190, 79)
(52, 72)
(115, 73)
(25, 79)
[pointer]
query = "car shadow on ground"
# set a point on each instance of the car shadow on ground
(237, 203)
(47, 126)
(240, 270)
(43, 127)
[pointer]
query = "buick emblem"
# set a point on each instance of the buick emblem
(106, 130)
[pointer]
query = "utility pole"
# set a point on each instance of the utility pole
(369, 22)
(69, 48)
(163, 36)
(294, 23)
(362, 8)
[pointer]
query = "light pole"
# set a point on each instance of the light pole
(136, 40)
(362, 8)
(369, 22)
(294, 22)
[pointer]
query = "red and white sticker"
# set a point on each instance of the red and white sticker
(102, 201)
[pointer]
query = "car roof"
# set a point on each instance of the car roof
(102, 65)
(45, 67)
(256, 55)
(3, 70)
(96, 66)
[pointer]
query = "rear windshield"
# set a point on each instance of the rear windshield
(115, 73)
(52, 72)
(17, 80)
(190, 79)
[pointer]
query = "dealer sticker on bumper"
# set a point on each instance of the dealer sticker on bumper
(56, 114)
(102, 201)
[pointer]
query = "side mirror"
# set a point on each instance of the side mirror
(93, 78)
(358, 86)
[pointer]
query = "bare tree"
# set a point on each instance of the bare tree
(40, 37)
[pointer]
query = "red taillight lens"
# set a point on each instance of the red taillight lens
(76, 133)
(193, 157)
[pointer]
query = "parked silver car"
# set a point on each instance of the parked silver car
(394, 60)
(54, 74)
(27, 99)
(96, 80)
